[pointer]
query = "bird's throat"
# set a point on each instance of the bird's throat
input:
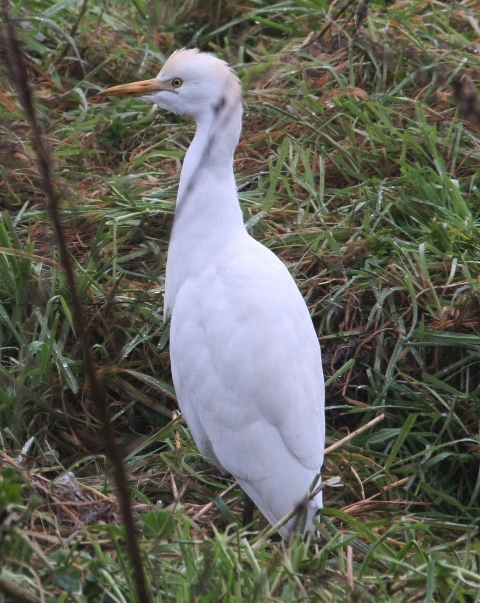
(210, 156)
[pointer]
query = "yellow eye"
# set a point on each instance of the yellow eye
(177, 82)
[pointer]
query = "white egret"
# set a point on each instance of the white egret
(245, 357)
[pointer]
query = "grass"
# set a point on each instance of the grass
(357, 169)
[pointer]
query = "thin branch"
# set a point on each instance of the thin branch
(354, 434)
(361, 14)
(323, 31)
(72, 32)
(19, 76)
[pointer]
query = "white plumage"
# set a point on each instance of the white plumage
(245, 357)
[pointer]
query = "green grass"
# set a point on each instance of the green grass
(357, 170)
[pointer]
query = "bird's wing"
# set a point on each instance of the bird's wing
(246, 364)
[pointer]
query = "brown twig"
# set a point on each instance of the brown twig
(354, 434)
(323, 31)
(19, 76)
(72, 32)
(361, 14)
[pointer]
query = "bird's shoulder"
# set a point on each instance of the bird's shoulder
(255, 267)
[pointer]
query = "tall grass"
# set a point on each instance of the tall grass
(356, 168)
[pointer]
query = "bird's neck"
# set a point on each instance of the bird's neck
(209, 158)
(208, 217)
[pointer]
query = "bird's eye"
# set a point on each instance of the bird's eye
(177, 82)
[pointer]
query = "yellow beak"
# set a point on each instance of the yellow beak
(135, 89)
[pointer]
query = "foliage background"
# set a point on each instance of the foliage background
(357, 169)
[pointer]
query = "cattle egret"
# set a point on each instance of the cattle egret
(245, 357)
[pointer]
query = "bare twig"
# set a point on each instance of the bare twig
(209, 505)
(72, 32)
(361, 14)
(354, 434)
(19, 76)
(323, 31)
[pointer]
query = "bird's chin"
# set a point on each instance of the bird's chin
(159, 101)
(151, 98)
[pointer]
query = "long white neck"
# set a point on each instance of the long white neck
(210, 156)
(207, 195)
(207, 214)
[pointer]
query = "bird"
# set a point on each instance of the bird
(245, 357)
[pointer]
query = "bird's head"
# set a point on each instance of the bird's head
(191, 83)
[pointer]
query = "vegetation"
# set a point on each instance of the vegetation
(357, 168)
